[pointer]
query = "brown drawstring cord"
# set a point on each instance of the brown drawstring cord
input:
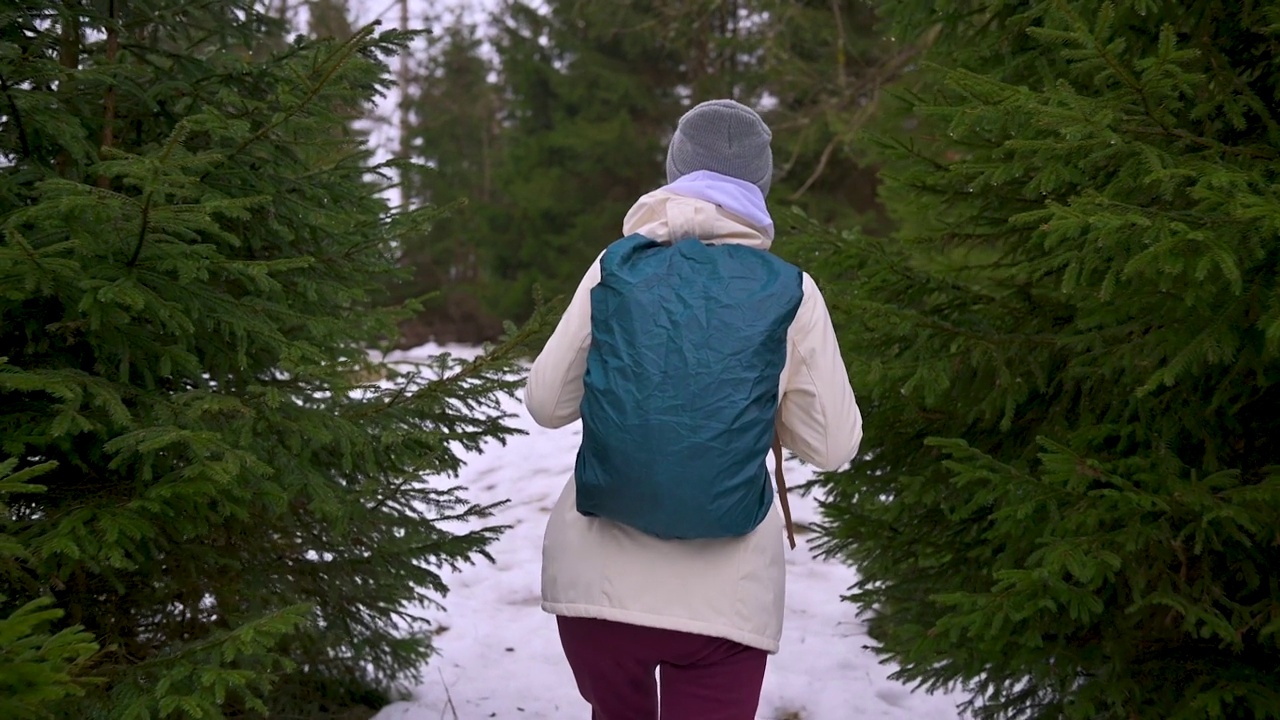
(782, 488)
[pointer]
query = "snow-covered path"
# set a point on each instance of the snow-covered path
(499, 656)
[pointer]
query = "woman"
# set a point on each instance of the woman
(649, 571)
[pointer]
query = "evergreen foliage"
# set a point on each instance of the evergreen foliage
(209, 507)
(543, 127)
(457, 139)
(586, 141)
(1069, 360)
(329, 19)
(38, 668)
(824, 65)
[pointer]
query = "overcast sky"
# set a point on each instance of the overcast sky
(384, 133)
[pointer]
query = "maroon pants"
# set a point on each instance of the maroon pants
(703, 678)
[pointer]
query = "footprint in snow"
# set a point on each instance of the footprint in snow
(894, 696)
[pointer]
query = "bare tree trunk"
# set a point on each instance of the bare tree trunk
(733, 47)
(69, 59)
(109, 102)
(403, 78)
(841, 53)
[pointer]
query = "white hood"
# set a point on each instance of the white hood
(666, 216)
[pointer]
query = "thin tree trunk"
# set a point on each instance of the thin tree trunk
(403, 78)
(841, 53)
(69, 59)
(109, 102)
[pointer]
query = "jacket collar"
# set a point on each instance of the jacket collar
(666, 216)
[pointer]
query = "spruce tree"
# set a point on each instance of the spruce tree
(1069, 359)
(39, 667)
(586, 104)
(457, 140)
(329, 19)
(207, 506)
(823, 65)
(540, 129)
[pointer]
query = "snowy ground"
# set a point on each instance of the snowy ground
(498, 652)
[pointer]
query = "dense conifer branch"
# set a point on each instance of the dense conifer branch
(18, 127)
(334, 62)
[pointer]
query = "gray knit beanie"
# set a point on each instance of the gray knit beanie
(722, 136)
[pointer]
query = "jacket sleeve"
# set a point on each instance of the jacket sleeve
(819, 419)
(554, 391)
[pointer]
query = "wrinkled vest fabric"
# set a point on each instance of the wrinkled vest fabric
(688, 344)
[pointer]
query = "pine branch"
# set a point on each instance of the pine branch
(1149, 107)
(17, 117)
(142, 230)
(340, 57)
(293, 615)
(175, 139)
(1164, 130)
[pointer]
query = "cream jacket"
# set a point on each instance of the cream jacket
(727, 588)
